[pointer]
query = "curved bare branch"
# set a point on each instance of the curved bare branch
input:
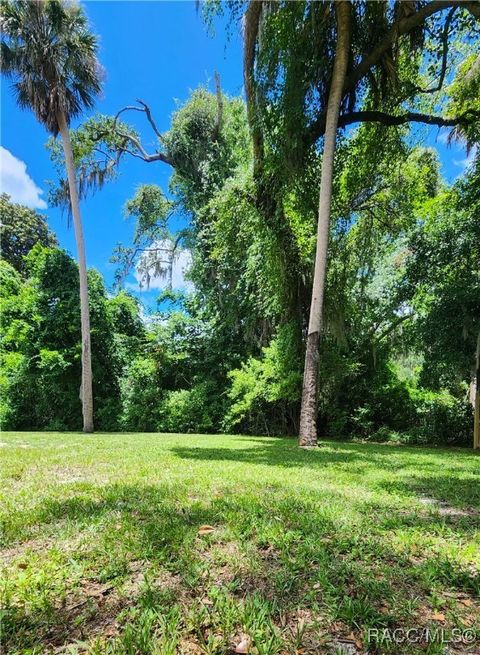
(142, 153)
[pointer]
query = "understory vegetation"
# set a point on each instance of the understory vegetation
(147, 543)
(402, 308)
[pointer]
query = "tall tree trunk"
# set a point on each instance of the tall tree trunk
(476, 420)
(251, 28)
(86, 392)
(308, 415)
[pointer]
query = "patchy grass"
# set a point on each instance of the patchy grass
(309, 550)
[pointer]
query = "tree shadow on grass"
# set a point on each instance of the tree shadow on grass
(307, 559)
(283, 451)
(459, 488)
(128, 523)
(297, 543)
(157, 525)
(440, 492)
(274, 452)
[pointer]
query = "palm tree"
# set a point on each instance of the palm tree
(49, 53)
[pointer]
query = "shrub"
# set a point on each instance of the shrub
(438, 419)
(265, 391)
(141, 395)
(441, 418)
(11, 375)
(191, 410)
(367, 400)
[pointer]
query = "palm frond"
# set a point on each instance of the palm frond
(51, 56)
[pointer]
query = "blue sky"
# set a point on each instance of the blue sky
(156, 51)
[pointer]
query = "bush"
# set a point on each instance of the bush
(376, 405)
(438, 419)
(265, 391)
(365, 401)
(11, 397)
(141, 395)
(191, 410)
(441, 419)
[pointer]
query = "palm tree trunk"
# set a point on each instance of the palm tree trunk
(476, 420)
(476, 424)
(308, 415)
(86, 393)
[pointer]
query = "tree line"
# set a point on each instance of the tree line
(300, 228)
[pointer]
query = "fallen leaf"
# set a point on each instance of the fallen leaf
(22, 565)
(207, 601)
(466, 602)
(439, 616)
(205, 529)
(243, 646)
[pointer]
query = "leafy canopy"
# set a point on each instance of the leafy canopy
(21, 229)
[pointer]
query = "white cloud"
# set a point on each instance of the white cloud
(465, 163)
(181, 264)
(443, 135)
(15, 181)
(180, 267)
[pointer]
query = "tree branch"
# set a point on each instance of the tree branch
(317, 128)
(147, 111)
(409, 117)
(399, 28)
(105, 154)
(445, 35)
(399, 320)
(157, 156)
(473, 8)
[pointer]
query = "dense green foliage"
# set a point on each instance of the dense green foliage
(21, 229)
(402, 307)
(41, 345)
(402, 300)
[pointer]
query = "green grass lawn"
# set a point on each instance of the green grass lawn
(148, 543)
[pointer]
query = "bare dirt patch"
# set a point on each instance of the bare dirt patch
(444, 509)
(69, 475)
(18, 554)
(94, 609)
